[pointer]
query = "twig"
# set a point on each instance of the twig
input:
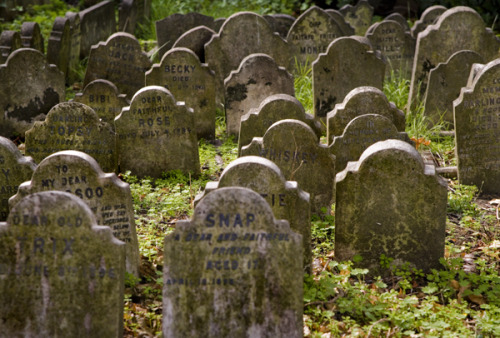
(381, 320)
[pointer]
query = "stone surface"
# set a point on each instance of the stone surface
(195, 40)
(31, 37)
(477, 130)
(133, 12)
(188, 80)
(285, 198)
(108, 197)
(361, 101)
(30, 87)
(74, 48)
(59, 44)
(257, 77)
(399, 19)
(73, 126)
(120, 60)
(280, 23)
(97, 23)
(9, 42)
(348, 63)
(347, 29)
(61, 275)
(428, 17)
(233, 270)
(358, 16)
(377, 213)
(296, 150)
(156, 134)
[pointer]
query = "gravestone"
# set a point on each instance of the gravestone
(233, 258)
(346, 28)
(156, 134)
(377, 213)
(286, 198)
(15, 170)
(131, 13)
(348, 63)
(61, 275)
(188, 80)
(428, 17)
(59, 45)
(9, 42)
(358, 16)
(399, 19)
(97, 23)
(74, 48)
(120, 60)
(444, 85)
(257, 77)
(103, 97)
(477, 130)
(108, 197)
(30, 87)
(218, 24)
(273, 109)
(195, 39)
(31, 37)
(296, 150)
(361, 101)
(459, 28)
(73, 126)
(310, 35)
(280, 23)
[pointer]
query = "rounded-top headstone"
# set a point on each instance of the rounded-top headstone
(195, 40)
(428, 17)
(31, 37)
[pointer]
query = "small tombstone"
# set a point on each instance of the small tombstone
(103, 97)
(131, 13)
(257, 78)
(120, 60)
(31, 37)
(30, 87)
(59, 45)
(188, 80)
(348, 63)
(296, 150)
(272, 109)
(73, 126)
(280, 23)
(361, 101)
(358, 16)
(218, 24)
(477, 130)
(74, 48)
(428, 17)
(286, 198)
(15, 170)
(97, 23)
(233, 258)
(445, 82)
(9, 42)
(310, 35)
(108, 197)
(347, 29)
(377, 213)
(399, 19)
(156, 134)
(60, 273)
(195, 39)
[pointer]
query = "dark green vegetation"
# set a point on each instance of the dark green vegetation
(461, 299)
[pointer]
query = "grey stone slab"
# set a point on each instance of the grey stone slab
(133, 12)
(195, 39)
(9, 42)
(399, 19)
(74, 48)
(428, 17)
(346, 28)
(59, 44)
(97, 23)
(280, 23)
(31, 37)
(358, 16)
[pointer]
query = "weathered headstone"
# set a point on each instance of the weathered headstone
(60, 273)
(347, 29)
(31, 37)
(273, 109)
(310, 35)
(30, 87)
(296, 150)
(73, 126)
(233, 258)
(399, 19)
(156, 134)
(428, 17)
(195, 39)
(131, 13)
(348, 63)
(285, 198)
(257, 78)
(358, 16)
(218, 24)
(377, 213)
(108, 197)
(280, 23)
(120, 60)
(477, 130)
(59, 45)
(97, 23)
(188, 80)
(9, 42)
(445, 82)
(74, 48)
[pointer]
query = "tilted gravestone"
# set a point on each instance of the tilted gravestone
(361, 101)
(348, 63)
(30, 87)
(9, 42)
(31, 37)
(347, 29)
(444, 84)
(233, 258)
(280, 23)
(195, 40)
(477, 130)
(97, 23)
(358, 16)
(377, 213)
(74, 48)
(120, 60)
(286, 198)
(399, 19)
(73, 126)
(108, 197)
(188, 80)
(257, 77)
(131, 13)
(156, 134)
(58, 48)
(428, 17)
(15, 170)
(60, 273)
(273, 109)
(296, 150)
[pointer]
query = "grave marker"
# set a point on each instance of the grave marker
(399, 19)
(131, 13)
(428, 17)
(74, 48)
(280, 23)
(347, 29)
(58, 49)
(31, 37)
(358, 16)
(9, 42)
(195, 39)
(97, 23)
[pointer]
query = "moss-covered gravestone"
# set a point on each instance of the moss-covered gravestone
(280, 23)
(399, 18)
(107, 196)
(9, 42)
(157, 134)
(31, 37)
(74, 48)
(97, 23)
(389, 203)
(358, 16)
(286, 198)
(347, 29)
(73, 126)
(61, 275)
(428, 17)
(59, 44)
(233, 270)
(195, 40)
